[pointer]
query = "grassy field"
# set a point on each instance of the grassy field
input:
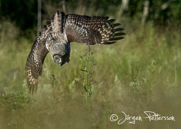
(139, 73)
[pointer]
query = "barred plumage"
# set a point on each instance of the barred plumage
(59, 32)
(91, 30)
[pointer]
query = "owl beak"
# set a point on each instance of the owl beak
(60, 62)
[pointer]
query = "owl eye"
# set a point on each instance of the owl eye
(57, 59)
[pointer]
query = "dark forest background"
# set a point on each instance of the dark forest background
(24, 12)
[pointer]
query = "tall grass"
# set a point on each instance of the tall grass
(137, 74)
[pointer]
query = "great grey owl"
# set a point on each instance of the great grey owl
(57, 35)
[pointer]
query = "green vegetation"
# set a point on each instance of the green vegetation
(139, 73)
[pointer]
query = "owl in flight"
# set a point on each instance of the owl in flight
(57, 35)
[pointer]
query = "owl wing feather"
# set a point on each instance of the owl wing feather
(39, 50)
(35, 61)
(92, 30)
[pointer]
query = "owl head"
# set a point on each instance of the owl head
(60, 52)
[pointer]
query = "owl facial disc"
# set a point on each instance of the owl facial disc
(58, 59)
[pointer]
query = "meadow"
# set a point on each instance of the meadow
(140, 73)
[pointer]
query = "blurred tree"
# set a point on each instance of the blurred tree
(162, 11)
(0, 11)
(22, 12)
(145, 11)
(124, 7)
(39, 15)
(63, 5)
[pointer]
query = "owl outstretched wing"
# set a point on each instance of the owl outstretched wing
(35, 61)
(92, 30)
(39, 51)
